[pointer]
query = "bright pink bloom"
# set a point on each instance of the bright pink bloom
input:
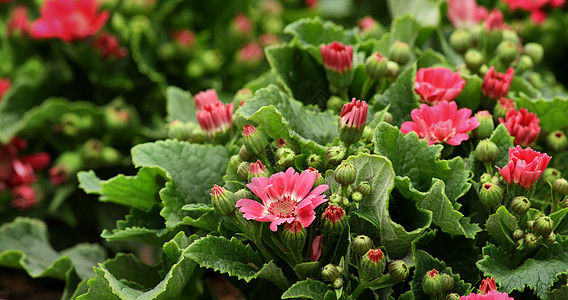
(285, 197)
(493, 295)
(250, 54)
(525, 166)
(5, 84)
(505, 105)
(184, 38)
(435, 85)
(205, 98)
(535, 7)
(242, 24)
(337, 57)
(523, 125)
(495, 21)
(317, 248)
(367, 23)
(108, 45)
(487, 285)
(441, 123)
(354, 114)
(216, 118)
(465, 13)
(69, 20)
(24, 197)
(19, 21)
(496, 85)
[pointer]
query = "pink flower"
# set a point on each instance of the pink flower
(493, 295)
(504, 105)
(435, 85)
(250, 54)
(337, 57)
(523, 125)
(525, 166)
(184, 38)
(24, 197)
(242, 24)
(108, 45)
(205, 98)
(367, 23)
(354, 114)
(256, 169)
(441, 123)
(5, 84)
(316, 250)
(535, 7)
(58, 174)
(19, 21)
(216, 118)
(495, 21)
(465, 13)
(285, 197)
(69, 20)
(496, 85)
(311, 3)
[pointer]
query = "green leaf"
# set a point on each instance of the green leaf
(194, 168)
(551, 112)
(504, 141)
(226, 256)
(559, 294)
(180, 105)
(405, 29)
(142, 45)
(426, 12)
(283, 117)
(538, 273)
(270, 271)
(430, 58)
(470, 97)
(24, 244)
(520, 86)
(399, 96)
(300, 73)
(308, 288)
(500, 225)
(315, 32)
(89, 182)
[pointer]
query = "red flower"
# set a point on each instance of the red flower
(487, 285)
(333, 213)
(184, 38)
(286, 197)
(19, 21)
(69, 20)
(216, 118)
(536, 8)
(495, 21)
(315, 252)
(493, 295)
(441, 123)
(205, 98)
(4, 86)
(250, 54)
(376, 255)
(24, 197)
(496, 85)
(435, 85)
(242, 24)
(337, 57)
(108, 45)
(465, 13)
(525, 166)
(367, 23)
(354, 114)
(523, 125)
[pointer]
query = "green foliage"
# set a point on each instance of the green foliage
(551, 112)
(426, 12)
(500, 225)
(399, 97)
(180, 105)
(315, 32)
(308, 288)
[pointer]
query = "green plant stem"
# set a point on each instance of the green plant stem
(366, 87)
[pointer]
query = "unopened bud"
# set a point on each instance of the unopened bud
(534, 51)
(400, 52)
(373, 263)
(530, 240)
(507, 52)
(461, 40)
(473, 60)
(491, 194)
(560, 186)
(447, 282)
(338, 283)
(254, 140)
(334, 219)
(223, 200)
(285, 157)
(335, 155)
(376, 66)
(245, 154)
(525, 63)
(486, 151)
(529, 225)
(364, 188)
(549, 239)
(543, 226)
(452, 296)
(520, 205)
(486, 125)
(294, 236)
(357, 197)
(330, 272)
(368, 133)
(361, 244)
(517, 234)
(486, 177)
(398, 270)
(256, 169)
(243, 170)
(432, 283)
(315, 161)
(551, 174)
(393, 70)
(557, 140)
(345, 173)
(243, 194)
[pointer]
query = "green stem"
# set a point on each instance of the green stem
(488, 168)
(366, 87)
(358, 290)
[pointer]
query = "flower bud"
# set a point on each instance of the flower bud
(550, 175)
(223, 200)
(254, 140)
(338, 283)
(345, 173)
(447, 282)
(319, 179)
(285, 157)
(432, 283)
(376, 66)
(486, 177)
(517, 234)
(565, 202)
(243, 194)
(511, 36)
(336, 199)
(560, 186)
(117, 118)
(338, 61)
(487, 285)
(256, 169)
(235, 161)
(356, 196)
(364, 188)
(502, 107)
(525, 63)
(473, 60)
(461, 40)
(529, 225)
(398, 270)
(534, 51)
(491, 194)
(373, 263)
(353, 120)
(452, 296)
(335, 103)
(520, 205)
(178, 130)
(557, 140)
(24, 197)
(243, 170)
(486, 125)
(387, 117)
(507, 52)
(294, 236)
(315, 161)
(530, 240)
(393, 70)
(335, 155)
(245, 154)
(368, 134)
(287, 143)
(400, 52)
(361, 244)
(549, 239)
(330, 272)
(486, 151)
(543, 226)
(334, 219)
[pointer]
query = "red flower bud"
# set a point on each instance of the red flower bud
(337, 57)
(522, 125)
(496, 85)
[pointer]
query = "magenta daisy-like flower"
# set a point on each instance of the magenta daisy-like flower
(286, 197)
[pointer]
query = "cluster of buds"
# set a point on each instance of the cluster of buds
(536, 231)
